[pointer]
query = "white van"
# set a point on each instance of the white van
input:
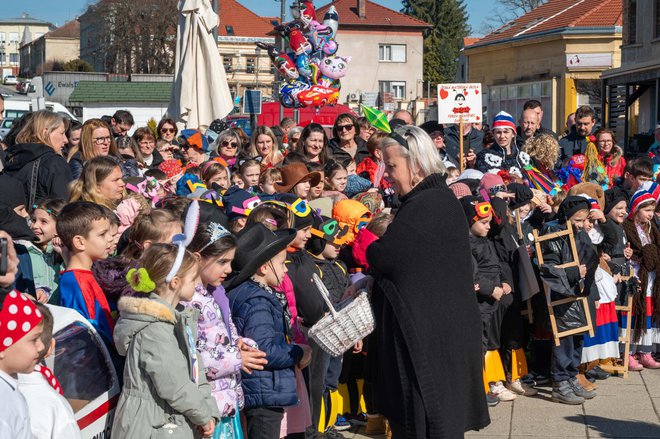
(15, 108)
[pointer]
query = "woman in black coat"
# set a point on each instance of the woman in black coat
(36, 157)
(427, 358)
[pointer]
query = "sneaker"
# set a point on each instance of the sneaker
(633, 364)
(562, 392)
(521, 388)
(502, 393)
(648, 362)
(597, 373)
(342, 424)
(491, 399)
(375, 425)
(579, 390)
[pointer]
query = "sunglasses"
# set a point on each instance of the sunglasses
(483, 210)
(168, 130)
(344, 127)
(229, 144)
(499, 188)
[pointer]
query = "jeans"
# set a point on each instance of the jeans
(264, 422)
(566, 358)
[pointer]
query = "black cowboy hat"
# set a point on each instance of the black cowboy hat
(256, 245)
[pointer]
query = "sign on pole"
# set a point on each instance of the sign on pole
(459, 102)
(252, 102)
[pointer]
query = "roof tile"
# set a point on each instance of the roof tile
(375, 15)
(68, 30)
(244, 22)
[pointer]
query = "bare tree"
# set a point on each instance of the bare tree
(506, 11)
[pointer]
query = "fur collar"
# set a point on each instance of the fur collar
(149, 306)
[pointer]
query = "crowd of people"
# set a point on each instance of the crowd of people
(193, 256)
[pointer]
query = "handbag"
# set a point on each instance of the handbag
(229, 427)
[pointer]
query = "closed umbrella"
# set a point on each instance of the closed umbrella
(200, 93)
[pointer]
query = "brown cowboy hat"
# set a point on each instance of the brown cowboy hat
(296, 173)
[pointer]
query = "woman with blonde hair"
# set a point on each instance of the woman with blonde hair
(264, 144)
(544, 152)
(95, 140)
(36, 157)
(101, 183)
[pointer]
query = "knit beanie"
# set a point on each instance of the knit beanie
(460, 190)
(491, 184)
(640, 198)
(475, 208)
(522, 195)
(504, 120)
(570, 206)
(613, 197)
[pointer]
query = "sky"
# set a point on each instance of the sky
(66, 10)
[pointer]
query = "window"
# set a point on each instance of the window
(249, 65)
(13, 58)
(13, 37)
(230, 30)
(631, 25)
(3, 37)
(392, 52)
(511, 98)
(3, 58)
(397, 89)
(226, 62)
(657, 18)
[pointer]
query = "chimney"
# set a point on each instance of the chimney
(362, 6)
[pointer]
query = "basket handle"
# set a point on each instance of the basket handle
(324, 293)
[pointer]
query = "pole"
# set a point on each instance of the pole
(460, 142)
(215, 29)
(282, 44)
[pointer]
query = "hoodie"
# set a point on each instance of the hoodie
(53, 175)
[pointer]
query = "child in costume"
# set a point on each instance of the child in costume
(84, 229)
(224, 353)
(644, 238)
(165, 391)
(259, 315)
(51, 415)
(20, 330)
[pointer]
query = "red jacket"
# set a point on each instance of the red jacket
(614, 164)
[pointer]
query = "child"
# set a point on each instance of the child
(51, 414)
(164, 392)
(297, 180)
(259, 315)
(237, 180)
(20, 329)
(161, 178)
(215, 173)
(267, 179)
(336, 176)
(223, 352)
(84, 229)
(238, 205)
(43, 272)
(249, 170)
(641, 233)
(316, 191)
(493, 292)
(568, 282)
(173, 171)
(452, 174)
(637, 172)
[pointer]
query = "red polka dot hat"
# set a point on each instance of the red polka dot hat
(17, 317)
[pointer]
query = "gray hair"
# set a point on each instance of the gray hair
(228, 134)
(421, 154)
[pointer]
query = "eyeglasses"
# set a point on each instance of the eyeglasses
(168, 130)
(232, 145)
(344, 127)
(483, 210)
(102, 140)
(605, 141)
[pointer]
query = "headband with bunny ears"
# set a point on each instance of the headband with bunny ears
(183, 240)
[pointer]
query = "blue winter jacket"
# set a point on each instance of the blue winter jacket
(258, 315)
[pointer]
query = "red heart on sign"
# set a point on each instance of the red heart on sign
(476, 92)
(478, 118)
(465, 93)
(443, 93)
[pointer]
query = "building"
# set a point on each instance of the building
(462, 64)
(633, 89)
(555, 54)
(386, 49)
(59, 45)
(13, 33)
(246, 66)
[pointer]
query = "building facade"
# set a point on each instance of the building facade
(555, 54)
(59, 45)
(13, 33)
(633, 89)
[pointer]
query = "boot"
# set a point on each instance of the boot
(597, 373)
(375, 425)
(563, 392)
(633, 364)
(579, 390)
(648, 362)
(585, 383)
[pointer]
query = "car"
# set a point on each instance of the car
(241, 121)
(84, 368)
(23, 87)
(10, 80)
(5, 127)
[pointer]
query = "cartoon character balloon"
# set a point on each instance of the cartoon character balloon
(282, 62)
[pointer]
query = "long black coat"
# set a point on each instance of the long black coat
(426, 358)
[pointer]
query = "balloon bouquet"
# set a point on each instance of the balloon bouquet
(311, 69)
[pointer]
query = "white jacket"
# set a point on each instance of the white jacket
(14, 415)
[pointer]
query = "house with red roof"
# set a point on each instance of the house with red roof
(554, 54)
(633, 89)
(58, 45)
(386, 49)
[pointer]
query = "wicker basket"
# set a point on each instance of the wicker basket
(338, 331)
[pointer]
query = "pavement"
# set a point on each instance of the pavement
(623, 409)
